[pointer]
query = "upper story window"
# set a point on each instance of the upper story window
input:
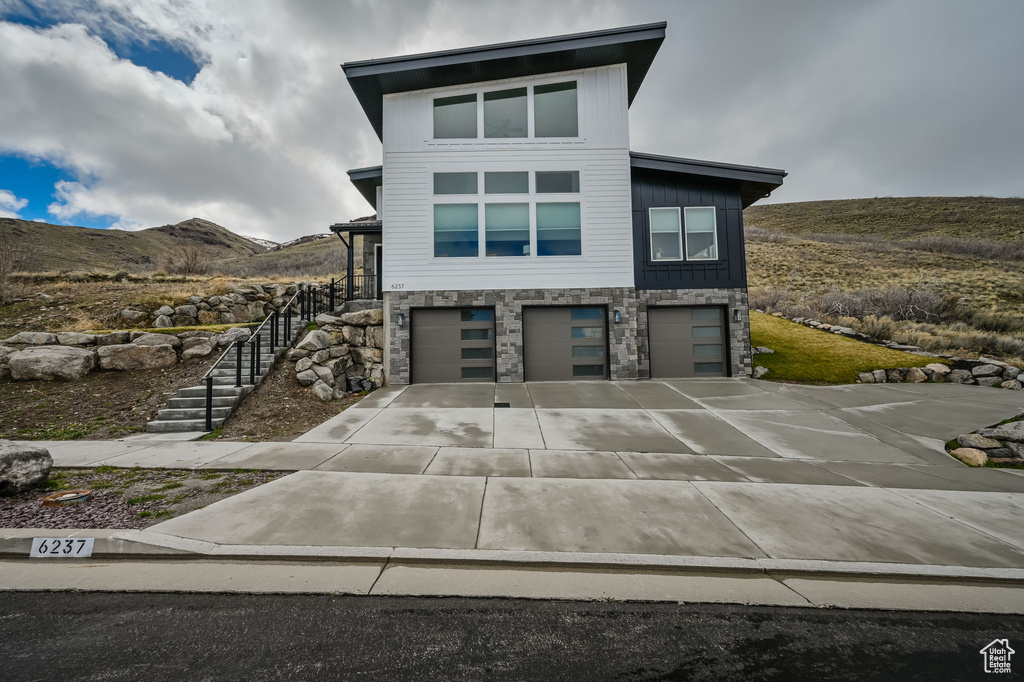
(497, 114)
(696, 233)
(506, 183)
(505, 113)
(555, 110)
(455, 183)
(455, 117)
(558, 182)
(701, 233)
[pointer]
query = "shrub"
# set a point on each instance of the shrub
(185, 260)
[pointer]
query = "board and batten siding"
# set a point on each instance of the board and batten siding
(600, 154)
(655, 190)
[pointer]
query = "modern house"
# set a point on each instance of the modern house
(521, 240)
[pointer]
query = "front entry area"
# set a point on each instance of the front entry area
(687, 341)
(565, 343)
(452, 345)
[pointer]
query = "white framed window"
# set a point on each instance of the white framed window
(666, 234)
(542, 110)
(701, 231)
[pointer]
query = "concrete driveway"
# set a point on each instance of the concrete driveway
(905, 424)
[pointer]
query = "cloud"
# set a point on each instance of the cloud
(879, 97)
(10, 204)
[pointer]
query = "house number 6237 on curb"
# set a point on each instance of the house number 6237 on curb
(61, 547)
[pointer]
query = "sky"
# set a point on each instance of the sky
(136, 113)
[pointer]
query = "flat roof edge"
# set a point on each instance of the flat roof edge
(701, 167)
(359, 68)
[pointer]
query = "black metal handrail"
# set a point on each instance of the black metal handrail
(304, 296)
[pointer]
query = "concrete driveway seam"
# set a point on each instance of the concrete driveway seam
(944, 512)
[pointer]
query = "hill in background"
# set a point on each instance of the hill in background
(65, 248)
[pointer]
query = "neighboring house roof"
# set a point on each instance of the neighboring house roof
(634, 46)
(367, 180)
(357, 227)
(754, 182)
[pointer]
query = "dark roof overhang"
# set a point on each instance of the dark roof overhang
(754, 182)
(634, 46)
(367, 180)
(358, 227)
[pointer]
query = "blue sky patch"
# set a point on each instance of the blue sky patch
(35, 180)
(154, 54)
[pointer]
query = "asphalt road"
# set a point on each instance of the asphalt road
(96, 636)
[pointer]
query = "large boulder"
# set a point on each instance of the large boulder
(1010, 372)
(234, 335)
(364, 355)
(989, 381)
(303, 364)
(1013, 431)
(324, 319)
(353, 335)
(374, 336)
(132, 315)
(132, 356)
(113, 339)
(33, 339)
(163, 322)
(22, 467)
(157, 340)
(1012, 384)
(960, 376)
(164, 310)
(325, 374)
(987, 371)
(364, 318)
(75, 339)
(307, 378)
(938, 367)
(315, 340)
(970, 456)
(186, 310)
(196, 347)
(323, 391)
(916, 375)
(48, 363)
(973, 440)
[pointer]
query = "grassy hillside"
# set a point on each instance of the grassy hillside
(314, 256)
(900, 218)
(65, 248)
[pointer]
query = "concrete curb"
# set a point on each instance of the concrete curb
(149, 545)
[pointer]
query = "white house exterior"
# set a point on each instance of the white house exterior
(521, 238)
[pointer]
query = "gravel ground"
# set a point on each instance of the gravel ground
(126, 498)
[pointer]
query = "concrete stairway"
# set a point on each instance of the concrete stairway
(187, 412)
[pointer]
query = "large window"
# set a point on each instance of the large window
(507, 229)
(701, 235)
(455, 117)
(558, 229)
(505, 113)
(666, 237)
(555, 111)
(455, 183)
(455, 230)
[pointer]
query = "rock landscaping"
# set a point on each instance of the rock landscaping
(248, 303)
(956, 370)
(69, 356)
(1002, 444)
(22, 467)
(344, 355)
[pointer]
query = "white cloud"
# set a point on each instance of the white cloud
(10, 204)
(880, 97)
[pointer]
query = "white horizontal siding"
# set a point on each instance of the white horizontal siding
(607, 258)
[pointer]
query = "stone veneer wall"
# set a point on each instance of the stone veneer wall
(627, 340)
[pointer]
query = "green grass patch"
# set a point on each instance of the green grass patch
(54, 432)
(213, 435)
(145, 514)
(210, 476)
(809, 356)
(142, 499)
(178, 330)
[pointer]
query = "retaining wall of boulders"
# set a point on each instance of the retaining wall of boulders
(1003, 444)
(242, 303)
(346, 354)
(981, 372)
(67, 356)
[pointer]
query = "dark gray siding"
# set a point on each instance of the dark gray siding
(652, 189)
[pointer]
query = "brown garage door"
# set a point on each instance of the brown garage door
(687, 342)
(564, 343)
(452, 344)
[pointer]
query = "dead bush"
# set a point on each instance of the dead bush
(185, 260)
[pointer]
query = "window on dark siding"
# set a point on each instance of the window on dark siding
(701, 233)
(666, 237)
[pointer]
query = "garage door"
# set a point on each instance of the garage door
(564, 343)
(687, 342)
(452, 344)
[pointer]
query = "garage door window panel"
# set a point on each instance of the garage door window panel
(707, 349)
(477, 334)
(701, 233)
(708, 368)
(588, 351)
(707, 332)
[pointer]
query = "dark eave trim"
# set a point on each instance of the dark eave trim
(360, 227)
(367, 180)
(635, 46)
(753, 182)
